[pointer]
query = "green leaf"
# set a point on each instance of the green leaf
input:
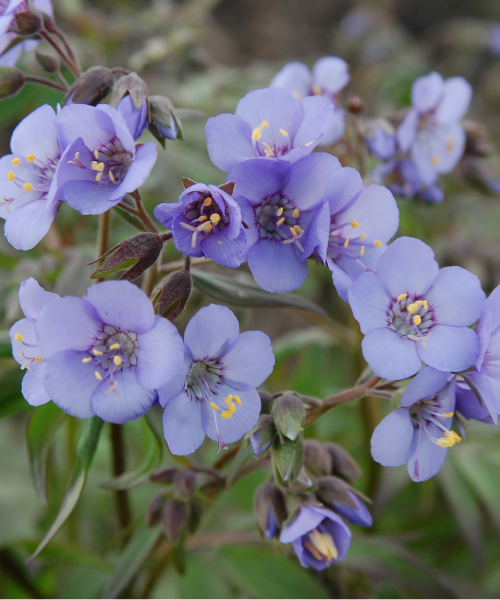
(11, 398)
(130, 562)
(40, 431)
(264, 574)
(152, 449)
(85, 450)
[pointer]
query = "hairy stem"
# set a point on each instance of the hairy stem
(122, 499)
(74, 68)
(142, 213)
(47, 82)
(62, 36)
(187, 263)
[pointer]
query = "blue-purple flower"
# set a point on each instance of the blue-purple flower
(214, 392)
(362, 220)
(412, 312)
(431, 131)
(107, 353)
(27, 179)
(288, 217)
(319, 537)
(136, 120)
(25, 348)
(267, 123)
(101, 163)
(206, 221)
(419, 433)
(381, 142)
(328, 78)
(359, 515)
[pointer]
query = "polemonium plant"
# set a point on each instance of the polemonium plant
(412, 312)
(284, 207)
(319, 537)
(206, 221)
(27, 179)
(267, 123)
(25, 347)
(106, 353)
(328, 78)
(214, 392)
(136, 119)
(358, 515)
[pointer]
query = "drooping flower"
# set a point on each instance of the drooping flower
(107, 353)
(283, 204)
(101, 163)
(359, 515)
(328, 78)
(206, 221)
(419, 433)
(214, 392)
(412, 312)
(432, 130)
(381, 141)
(362, 220)
(136, 119)
(319, 537)
(8, 11)
(25, 348)
(267, 123)
(27, 179)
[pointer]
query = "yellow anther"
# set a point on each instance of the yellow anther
(256, 134)
(284, 132)
(298, 229)
(228, 399)
(296, 95)
(324, 545)
(114, 346)
(268, 152)
(202, 218)
(226, 414)
(28, 187)
(316, 90)
(296, 213)
(94, 164)
(98, 376)
(215, 218)
(208, 201)
(111, 176)
(417, 319)
(232, 408)
(354, 224)
(435, 160)
(19, 337)
(30, 157)
(98, 177)
(309, 144)
(38, 359)
(280, 221)
(208, 227)
(77, 156)
(377, 244)
(86, 360)
(117, 360)
(11, 175)
(411, 308)
(214, 406)
(293, 232)
(447, 415)
(237, 400)
(454, 436)
(280, 212)
(96, 154)
(16, 161)
(264, 124)
(423, 303)
(402, 297)
(346, 243)
(100, 166)
(445, 442)
(363, 236)
(97, 352)
(362, 251)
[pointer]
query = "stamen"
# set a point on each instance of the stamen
(293, 232)
(237, 400)
(417, 319)
(28, 187)
(296, 95)
(117, 360)
(86, 360)
(280, 222)
(354, 224)
(402, 297)
(19, 337)
(298, 229)
(214, 406)
(226, 414)
(114, 346)
(11, 175)
(362, 251)
(202, 218)
(232, 408)
(423, 303)
(98, 376)
(435, 160)
(100, 166)
(38, 359)
(208, 227)
(295, 213)
(256, 134)
(264, 124)
(284, 132)
(31, 157)
(111, 176)
(346, 243)
(208, 201)
(93, 165)
(363, 236)
(215, 218)
(97, 352)
(316, 90)
(377, 244)
(96, 154)
(411, 308)
(447, 415)
(16, 161)
(280, 212)
(98, 177)
(309, 144)
(228, 399)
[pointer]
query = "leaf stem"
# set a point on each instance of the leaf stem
(74, 68)
(122, 500)
(47, 82)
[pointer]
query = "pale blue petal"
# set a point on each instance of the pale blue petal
(389, 355)
(450, 348)
(182, 425)
(392, 439)
(211, 332)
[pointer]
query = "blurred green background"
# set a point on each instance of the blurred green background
(439, 538)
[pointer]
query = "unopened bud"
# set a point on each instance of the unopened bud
(344, 464)
(266, 401)
(317, 458)
(92, 87)
(174, 520)
(11, 81)
(269, 507)
(333, 489)
(165, 475)
(163, 121)
(289, 414)
(287, 459)
(355, 105)
(130, 84)
(174, 294)
(48, 62)
(136, 254)
(185, 483)
(262, 435)
(28, 22)
(155, 509)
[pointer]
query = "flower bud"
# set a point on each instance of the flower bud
(269, 507)
(262, 434)
(287, 458)
(130, 84)
(185, 483)
(289, 414)
(266, 402)
(165, 475)
(355, 105)
(163, 121)
(11, 81)
(344, 464)
(92, 87)
(174, 520)
(155, 509)
(333, 489)
(174, 295)
(136, 255)
(48, 62)
(317, 458)
(28, 22)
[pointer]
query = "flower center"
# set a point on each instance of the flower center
(264, 143)
(109, 163)
(427, 412)
(204, 216)
(277, 219)
(29, 349)
(343, 242)
(321, 546)
(412, 319)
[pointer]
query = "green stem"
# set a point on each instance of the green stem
(103, 237)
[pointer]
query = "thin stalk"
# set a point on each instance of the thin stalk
(149, 279)
(187, 263)
(369, 409)
(74, 68)
(166, 236)
(122, 499)
(47, 82)
(62, 36)
(103, 237)
(142, 213)
(179, 264)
